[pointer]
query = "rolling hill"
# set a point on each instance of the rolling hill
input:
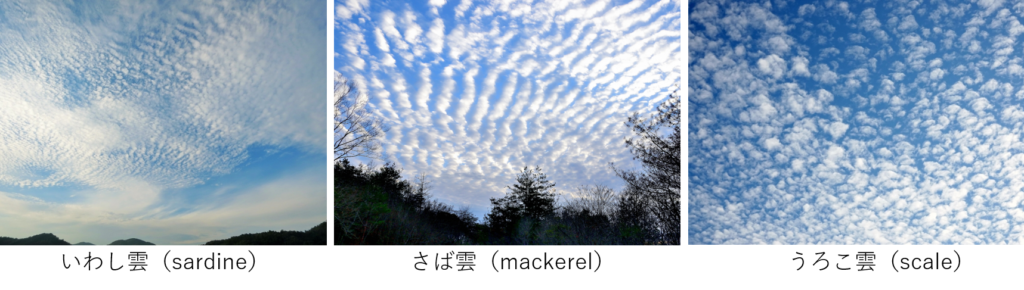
(40, 239)
(131, 242)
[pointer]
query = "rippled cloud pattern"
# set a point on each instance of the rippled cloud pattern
(473, 91)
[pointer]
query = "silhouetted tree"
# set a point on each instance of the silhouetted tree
(656, 145)
(596, 199)
(419, 194)
(377, 206)
(532, 196)
(633, 219)
(356, 131)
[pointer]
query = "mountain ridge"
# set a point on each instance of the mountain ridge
(316, 235)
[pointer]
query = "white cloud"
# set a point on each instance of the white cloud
(908, 23)
(800, 66)
(350, 8)
(824, 75)
(834, 156)
(990, 5)
(858, 52)
(412, 29)
(389, 29)
(885, 152)
(837, 129)
(779, 45)
(806, 9)
(761, 111)
(381, 42)
(772, 143)
(437, 3)
(463, 7)
(388, 60)
(798, 165)
(772, 65)
(435, 37)
(937, 74)
(869, 21)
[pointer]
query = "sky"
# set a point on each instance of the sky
(473, 91)
(174, 122)
(855, 122)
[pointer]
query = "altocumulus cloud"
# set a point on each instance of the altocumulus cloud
(835, 122)
(163, 121)
(474, 90)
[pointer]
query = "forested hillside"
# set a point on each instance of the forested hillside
(40, 239)
(314, 236)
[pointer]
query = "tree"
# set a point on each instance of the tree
(633, 218)
(532, 196)
(596, 199)
(419, 194)
(659, 182)
(356, 131)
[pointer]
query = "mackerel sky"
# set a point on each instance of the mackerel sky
(855, 122)
(177, 122)
(475, 90)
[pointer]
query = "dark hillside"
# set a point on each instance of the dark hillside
(131, 242)
(40, 239)
(314, 236)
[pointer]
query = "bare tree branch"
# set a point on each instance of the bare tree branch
(356, 131)
(657, 146)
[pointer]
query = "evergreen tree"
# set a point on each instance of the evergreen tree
(532, 196)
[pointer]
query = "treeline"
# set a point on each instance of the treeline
(376, 206)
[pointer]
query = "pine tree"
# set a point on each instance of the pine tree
(532, 196)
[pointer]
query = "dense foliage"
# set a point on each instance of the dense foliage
(376, 206)
(314, 236)
(40, 239)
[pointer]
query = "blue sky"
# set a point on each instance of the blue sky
(174, 122)
(474, 90)
(859, 122)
